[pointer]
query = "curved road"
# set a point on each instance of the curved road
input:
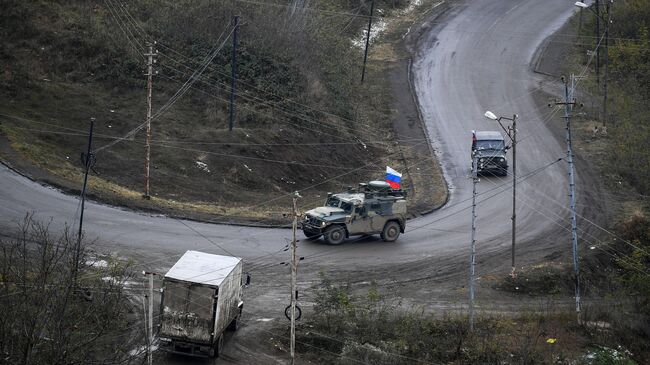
(476, 58)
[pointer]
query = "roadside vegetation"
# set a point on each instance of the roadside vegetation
(365, 326)
(303, 121)
(48, 317)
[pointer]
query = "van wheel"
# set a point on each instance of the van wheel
(391, 231)
(234, 325)
(218, 346)
(334, 235)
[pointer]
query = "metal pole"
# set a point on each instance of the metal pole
(365, 56)
(150, 317)
(233, 84)
(147, 145)
(473, 245)
(144, 313)
(294, 272)
(597, 41)
(87, 164)
(514, 189)
(574, 232)
(606, 62)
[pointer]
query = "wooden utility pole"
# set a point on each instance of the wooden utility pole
(89, 160)
(294, 273)
(472, 259)
(365, 56)
(233, 84)
(147, 144)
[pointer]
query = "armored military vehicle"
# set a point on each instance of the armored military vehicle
(372, 208)
(490, 150)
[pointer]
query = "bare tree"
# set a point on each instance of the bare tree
(47, 318)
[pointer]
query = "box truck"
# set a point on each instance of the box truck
(201, 298)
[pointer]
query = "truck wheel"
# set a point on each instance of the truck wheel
(218, 346)
(234, 325)
(334, 235)
(390, 232)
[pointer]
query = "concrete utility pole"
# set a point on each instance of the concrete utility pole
(147, 144)
(597, 2)
(365, 56)
(609, 21)
(150, 316)
(294, 273)
(144, 313)
(88, 160)
(511, 132)
(514, 189)
(473, 245)
(233, 84)
(568, 103)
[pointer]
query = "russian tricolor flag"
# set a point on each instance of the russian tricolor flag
(393, 178)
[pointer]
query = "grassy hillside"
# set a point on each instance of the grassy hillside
(302, 118)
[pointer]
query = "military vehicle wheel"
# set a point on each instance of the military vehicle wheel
(334, 235)
(391, 231)
(311, 235)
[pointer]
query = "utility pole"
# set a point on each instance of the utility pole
(88, 160)
(514, 189)
(473, 245)
(144, 313)
(568, 103)
(150, 316)
(365, 56)
(233, 84)
(609, 21)
(598, 41)
(147, 144)
(512, 134)
(294, 273)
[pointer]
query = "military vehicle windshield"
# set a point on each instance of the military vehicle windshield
(490, 145)
(337, 203)
(333, 202)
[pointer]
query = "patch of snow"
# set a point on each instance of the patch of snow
(248, 168)
(375, 31)
(97, 263)
(141, 350)
(110, 279)
(202, 166)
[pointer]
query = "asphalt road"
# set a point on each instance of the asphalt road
(475, 58)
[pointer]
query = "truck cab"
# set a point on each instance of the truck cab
(489, 148)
